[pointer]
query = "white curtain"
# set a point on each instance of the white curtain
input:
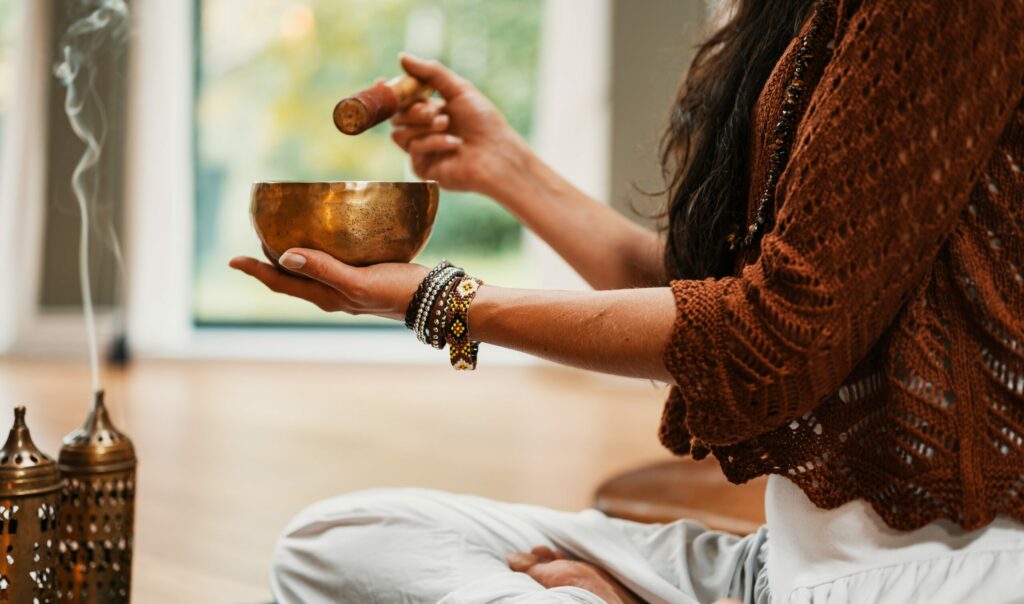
(22, 176)
(573, 111)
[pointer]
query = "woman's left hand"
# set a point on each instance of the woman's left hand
(382, 289)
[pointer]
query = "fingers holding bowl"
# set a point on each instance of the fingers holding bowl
(278, 281)
(319, 266)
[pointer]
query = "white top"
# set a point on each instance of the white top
(809, 546)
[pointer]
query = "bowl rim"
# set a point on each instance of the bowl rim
(344, 182)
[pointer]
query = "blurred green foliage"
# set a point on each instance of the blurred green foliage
(270, 72)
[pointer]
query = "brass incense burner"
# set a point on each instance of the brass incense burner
(97, 511)
(359, 223)
(29, 500)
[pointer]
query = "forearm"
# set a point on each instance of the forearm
(622, 332)
(605, 248)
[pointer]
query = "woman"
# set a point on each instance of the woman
(838, 303)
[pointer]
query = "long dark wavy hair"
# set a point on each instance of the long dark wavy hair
(704, 150)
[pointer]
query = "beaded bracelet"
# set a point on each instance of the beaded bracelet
(428, 309)
(462, 351)
(428, 306)
(417, 297)
(437, 322)
(427, 303)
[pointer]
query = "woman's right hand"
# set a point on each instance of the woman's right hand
(460, 140)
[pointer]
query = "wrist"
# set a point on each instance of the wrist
(422, 314)
(512, 166)
(484, 306)
(533, 187)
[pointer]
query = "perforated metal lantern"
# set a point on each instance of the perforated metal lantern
(97, 511)
(29, 496)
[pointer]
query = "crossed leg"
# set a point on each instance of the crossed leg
(418, 546)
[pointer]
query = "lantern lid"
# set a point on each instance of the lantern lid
(98, 445)
(24, 469)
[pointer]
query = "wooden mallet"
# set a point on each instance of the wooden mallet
(366, 109)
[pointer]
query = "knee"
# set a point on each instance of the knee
(332, 549)
(360, 508)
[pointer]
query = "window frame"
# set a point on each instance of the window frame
(571, 132)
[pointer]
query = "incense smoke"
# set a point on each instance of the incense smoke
(103, 27)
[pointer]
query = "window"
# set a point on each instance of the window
(269, 74)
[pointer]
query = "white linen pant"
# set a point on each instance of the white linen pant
(419, 546)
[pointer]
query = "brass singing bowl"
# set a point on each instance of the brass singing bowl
(359, 223)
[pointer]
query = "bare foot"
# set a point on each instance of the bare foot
(551, 569)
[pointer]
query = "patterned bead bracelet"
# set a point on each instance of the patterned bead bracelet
(461, 349)
(439, 313)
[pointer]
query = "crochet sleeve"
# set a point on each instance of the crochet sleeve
(895, 135)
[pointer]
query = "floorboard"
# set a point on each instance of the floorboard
(228, 452)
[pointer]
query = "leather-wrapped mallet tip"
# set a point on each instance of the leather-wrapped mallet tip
(351, 116)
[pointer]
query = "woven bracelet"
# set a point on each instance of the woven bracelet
(462, 351)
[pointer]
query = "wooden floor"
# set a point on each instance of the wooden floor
(228, 452)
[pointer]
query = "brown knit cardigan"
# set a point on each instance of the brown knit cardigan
(873, 346)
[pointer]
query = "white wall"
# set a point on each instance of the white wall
(652, 49)
(572, 125)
